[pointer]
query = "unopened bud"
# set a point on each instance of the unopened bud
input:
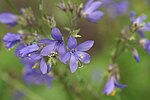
(136, 55)
(71, 6)
(79, 10)
(62, 6)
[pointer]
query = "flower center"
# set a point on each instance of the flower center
(73, 50)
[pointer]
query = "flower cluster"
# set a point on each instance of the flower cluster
(138, 25)
(39, 54)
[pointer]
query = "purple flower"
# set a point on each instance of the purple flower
(117, 8)
(53, 46)
(77, 53)
(9, 19)
(10, 39)
(28, 50)
(110, 86)
(91, 12)
(138, 24)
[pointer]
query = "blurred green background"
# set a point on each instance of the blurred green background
(135, 75)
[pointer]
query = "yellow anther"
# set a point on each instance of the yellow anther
(81, 56)
(76, 62)
(113, 93)
(56, 53)
(33, 67)
(29, 55)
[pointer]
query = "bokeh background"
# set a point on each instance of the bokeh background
(135, 75)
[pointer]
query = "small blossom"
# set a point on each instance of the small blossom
(10, 39)
(110, 86)
(77, 53)
(138, 24)
(9, 19)
(62, 6)
(53, 46)
(91, 12)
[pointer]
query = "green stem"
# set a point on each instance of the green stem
(114, 56)
(41, 7)
(17, 85)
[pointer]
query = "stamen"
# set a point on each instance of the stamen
(113, 93)
(29, 55)
(33, 67)
(81, 56)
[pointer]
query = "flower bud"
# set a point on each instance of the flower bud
(62, 6)
(79, 10)
(71, 6)
(136, 55)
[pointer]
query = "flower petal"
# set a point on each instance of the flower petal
(85, 46)
(29, 49)
(8, 18)
(19, 47)
(73, 63)
(64, 57)
(120, 85)
(62, 48)
(132, 16)
(140, 32)
(10, 44)
(72, 42)
(88, 4)
(83, 57)
(10, 37)
(139, 20)
(147, 46)
(56, 34)
(94, 6)
(95, 16)
(47, 50)
(146, 27)
(46, 41)
(109, 86)
(35, 57)
(43, 66)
